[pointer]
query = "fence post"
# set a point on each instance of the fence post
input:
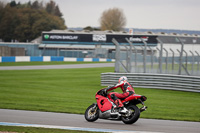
(186, 58)
(172, 60)
(198, 60)
(192, 61)
(151, 57)
(43, 50)
(159, 60)
(183, 65)
(161, 53)
(181, 55)
(117, 55)
(58, 52)
(145, 54)
(144, 63)
(131, 45)
(128, 60)
(166, 59)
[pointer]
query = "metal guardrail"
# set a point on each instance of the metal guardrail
(156, 81)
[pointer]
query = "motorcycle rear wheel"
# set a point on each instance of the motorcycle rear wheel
(92, 113)
(134, 116)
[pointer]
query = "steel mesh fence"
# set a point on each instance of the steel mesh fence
(162, 60)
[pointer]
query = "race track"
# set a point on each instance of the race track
(93, 65)
(78, 122)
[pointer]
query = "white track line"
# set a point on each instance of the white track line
(72, 128)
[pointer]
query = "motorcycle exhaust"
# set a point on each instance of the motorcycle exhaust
(143, 108)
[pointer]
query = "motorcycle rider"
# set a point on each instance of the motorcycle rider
(116, 97)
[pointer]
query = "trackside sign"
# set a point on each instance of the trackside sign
(60, 37)
(99, 37)
(95, 38)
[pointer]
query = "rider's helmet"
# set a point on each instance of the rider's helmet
(122, 79)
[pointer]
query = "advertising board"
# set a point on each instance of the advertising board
(95, 38)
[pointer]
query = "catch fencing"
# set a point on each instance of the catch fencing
(148, 59)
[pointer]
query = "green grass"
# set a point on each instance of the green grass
(37, 130)
(172, 105)
(73, 90)
(45, 63)
(68, 90)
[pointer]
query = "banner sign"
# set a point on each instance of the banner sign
(95, 38)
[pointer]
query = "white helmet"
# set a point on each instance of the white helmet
(122, 79)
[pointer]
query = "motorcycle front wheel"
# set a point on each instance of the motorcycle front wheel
(132, 117)
(92, 113)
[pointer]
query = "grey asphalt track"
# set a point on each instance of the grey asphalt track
(93, 65)
(75, 120)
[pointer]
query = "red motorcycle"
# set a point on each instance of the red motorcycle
(106, 109)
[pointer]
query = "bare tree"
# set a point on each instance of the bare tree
(113, 19)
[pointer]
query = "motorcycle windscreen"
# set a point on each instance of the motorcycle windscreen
(104, 104)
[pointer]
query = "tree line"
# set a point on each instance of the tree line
(25, 22)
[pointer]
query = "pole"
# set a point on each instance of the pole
(131, 45)
(151, 57)
(159, 60)
(166, 60)
(184, 66)
(117, 55)
(145, 54)
(172, 60)
(186, 58)
(127, 59)
(192, 61)
(198, 60)
(161, 53)
(181, 55)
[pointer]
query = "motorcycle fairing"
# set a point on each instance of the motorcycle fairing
(103, 103)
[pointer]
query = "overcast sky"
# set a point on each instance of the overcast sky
(151, 14)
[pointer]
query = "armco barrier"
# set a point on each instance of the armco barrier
(50, 58)
(157, 81)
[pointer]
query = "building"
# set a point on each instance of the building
(98, 44)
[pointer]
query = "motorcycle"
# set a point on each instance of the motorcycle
(106, 109)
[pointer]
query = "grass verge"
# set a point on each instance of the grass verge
(15, 129)
(73, 90)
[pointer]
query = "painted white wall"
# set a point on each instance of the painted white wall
(22, 59)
